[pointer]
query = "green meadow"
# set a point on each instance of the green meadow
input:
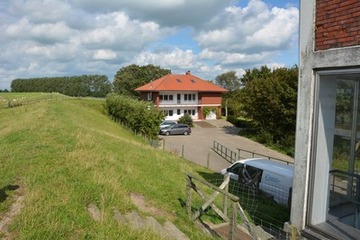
(65, 153)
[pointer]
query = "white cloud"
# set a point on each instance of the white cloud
(175, 59)
(44, 32)
(253, 28)
(56, 37)
(104, 54)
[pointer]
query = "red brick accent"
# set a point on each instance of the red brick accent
(337, 24)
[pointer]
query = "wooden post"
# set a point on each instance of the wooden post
(225, 199)
(188, 196)
(233, 222)
(182, 151)
(208, 161)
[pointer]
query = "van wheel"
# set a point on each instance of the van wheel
(167, 133)
(186, 133)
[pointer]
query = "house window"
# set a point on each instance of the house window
(189, 111)
(335, 160)
(168, 112)
(189, 97)
(166, 97)
(178, 112)
(149, 96)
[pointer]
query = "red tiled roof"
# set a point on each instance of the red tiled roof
(180, 82)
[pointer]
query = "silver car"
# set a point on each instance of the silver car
(176, 129)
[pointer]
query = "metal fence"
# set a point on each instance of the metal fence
(232, 156)
(224, 152)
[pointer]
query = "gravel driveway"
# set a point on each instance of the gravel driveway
(197, 146)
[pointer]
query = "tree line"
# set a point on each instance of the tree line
(76, 86)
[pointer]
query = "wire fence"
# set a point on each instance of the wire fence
(9, 100)
(263, 211)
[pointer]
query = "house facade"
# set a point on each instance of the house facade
(178, 94)
(326, 188)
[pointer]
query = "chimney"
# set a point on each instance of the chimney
(188, 73)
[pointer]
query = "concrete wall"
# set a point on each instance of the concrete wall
(310, 62)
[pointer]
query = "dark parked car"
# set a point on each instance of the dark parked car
(176, 129)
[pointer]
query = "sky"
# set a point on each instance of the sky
(52, 38)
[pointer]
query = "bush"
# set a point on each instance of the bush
(186, 119)
(139, 116)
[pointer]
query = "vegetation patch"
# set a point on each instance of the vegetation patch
(70, 154)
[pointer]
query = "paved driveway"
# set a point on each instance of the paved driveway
(197, 146)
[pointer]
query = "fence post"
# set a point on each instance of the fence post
(225, 199)
(182, 151)
(188, 196)
(208, 161)
(233, 222)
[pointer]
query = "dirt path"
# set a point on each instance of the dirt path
(7, 217)
(197, 146)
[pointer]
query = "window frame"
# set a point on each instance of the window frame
(321, 77)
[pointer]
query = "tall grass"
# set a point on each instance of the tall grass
(67, 154)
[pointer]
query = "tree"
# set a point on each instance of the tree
(228, 80)
(251, 74)
(270, 102)
(130, 77)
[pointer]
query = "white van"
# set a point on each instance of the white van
(271, 177)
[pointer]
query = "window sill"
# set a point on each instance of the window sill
(331, 230)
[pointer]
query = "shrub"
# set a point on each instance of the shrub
(186, 119)
(141, 117)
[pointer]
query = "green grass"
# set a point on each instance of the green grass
(66, 154)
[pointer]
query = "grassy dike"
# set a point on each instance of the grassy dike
(65, 154)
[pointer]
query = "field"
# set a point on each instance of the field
(10, 99)
(61, 154)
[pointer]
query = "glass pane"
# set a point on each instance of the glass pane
(343, 124)
(343, 194)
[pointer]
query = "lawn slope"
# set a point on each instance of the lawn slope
(66, 154)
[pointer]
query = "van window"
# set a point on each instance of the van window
(251, 176)
(236, 168)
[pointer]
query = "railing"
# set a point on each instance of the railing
(232, 156)
(224, 152)
(345, 192)
(346, 184)
(243, 154)
(209, 202)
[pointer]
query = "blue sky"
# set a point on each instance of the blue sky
(44, 38)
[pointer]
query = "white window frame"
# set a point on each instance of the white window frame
(322, 147)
